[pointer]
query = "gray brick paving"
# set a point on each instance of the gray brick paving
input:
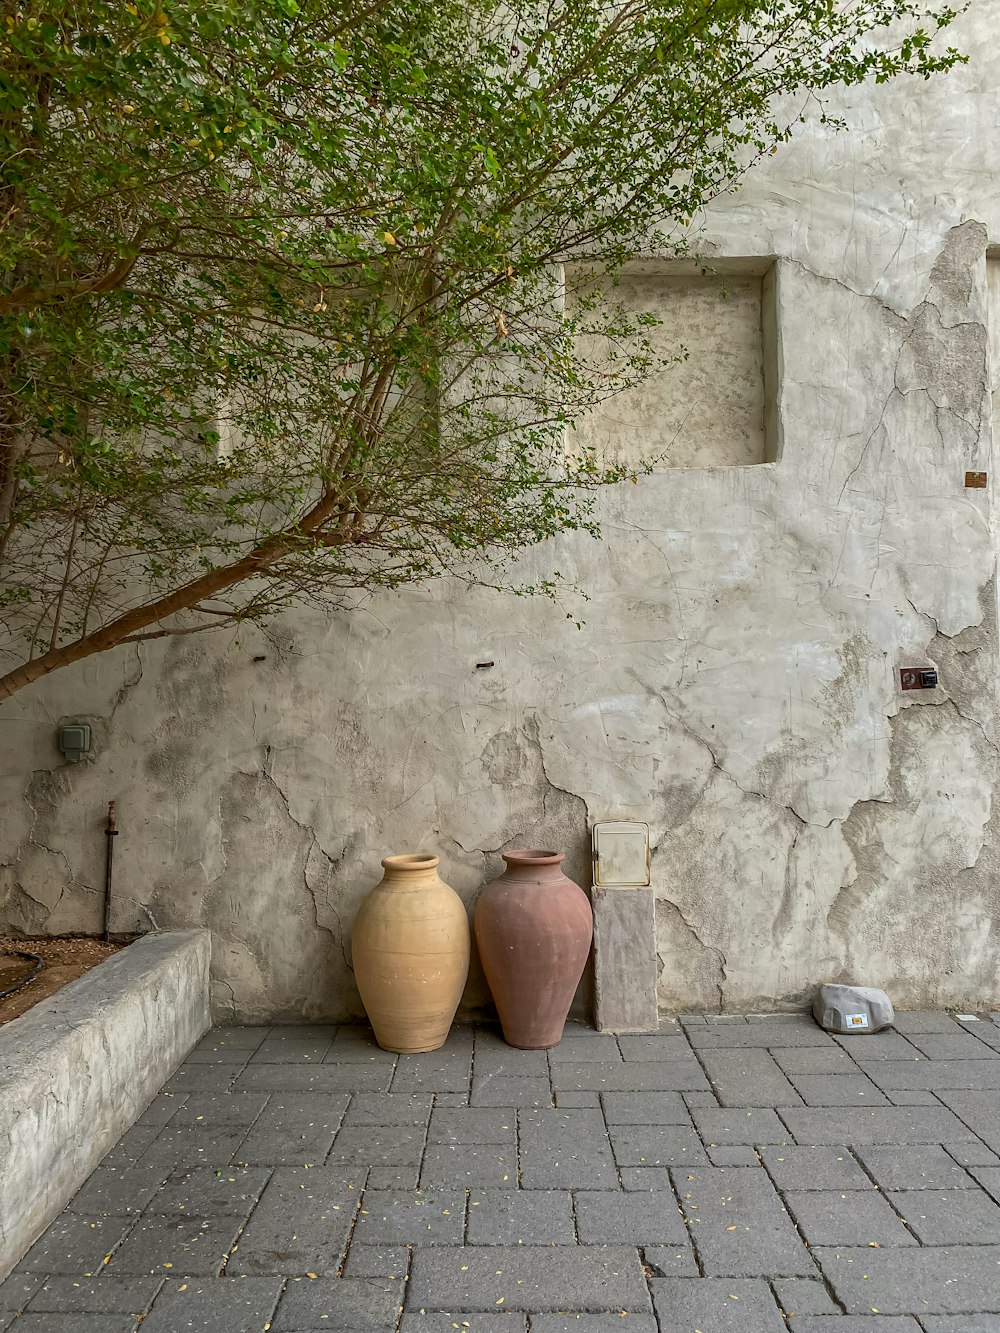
(193, 1145)
(367, 1077)
(221, 1305)
(389, 1145)
(631, 1076)
(670, 1260)
(119, 1191)
(473, 1125)
(916, 1280)
(346, 1303)
(162, 1245)
(521, 1217)
(377, 1261)
(645, 1178)
(528, 1277)
(17, 1290)
(837, 1090)
(949, 1217)
(763, 1034)
(738, 1224)
(502, 1091)
(392, 1108)
(75, 1323)
(958, 1045)
(654, 1047)
(882, 1124)
(924, 1020)
(962, 1323)
(878, 1046)
(979, 1111)
(550, 1201)
(76, 1244)
(645, 1108)
(468, 1166)
(732, 1156)
(715, 1305)
(629, 1219)
(600, 1047)
(219, 1110)
(848, 1217)
(108, 1295)
(748, 1078)
(855, 1324)
(814, 1060)
(935, 1075)
(202, 1192)
(420, 1217)
(798, 1168)
(972, 1153)
(916, 1167)
(804, 1296)
(593, 1323)
(736, 1125)
(656, 1145)
(566, 1150)
(300, 1225)
(467, 1321)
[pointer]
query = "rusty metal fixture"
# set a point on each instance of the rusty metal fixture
(111, 832)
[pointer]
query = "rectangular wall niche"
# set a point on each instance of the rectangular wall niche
(716, 408)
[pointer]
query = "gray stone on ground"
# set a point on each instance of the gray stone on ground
(852, 1009)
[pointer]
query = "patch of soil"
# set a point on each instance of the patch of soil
(65, 958)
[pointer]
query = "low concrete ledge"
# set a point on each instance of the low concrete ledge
(78, 1069)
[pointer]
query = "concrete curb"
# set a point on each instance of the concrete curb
(78, 1069)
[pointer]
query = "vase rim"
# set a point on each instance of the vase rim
(533, 856)
(410, 861)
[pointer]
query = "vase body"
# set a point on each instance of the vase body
(533, 928)
(410, 946)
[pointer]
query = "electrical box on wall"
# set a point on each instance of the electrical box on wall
(621, 854)
(918, 678)
(74, 741)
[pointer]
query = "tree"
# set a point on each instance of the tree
(283, 308)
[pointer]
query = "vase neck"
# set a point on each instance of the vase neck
(533, 864)
(410, 871)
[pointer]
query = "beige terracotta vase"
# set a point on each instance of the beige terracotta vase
(410, 945)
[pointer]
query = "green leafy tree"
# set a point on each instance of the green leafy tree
(283, 301)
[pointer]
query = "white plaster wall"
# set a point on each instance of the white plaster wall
(735, 682)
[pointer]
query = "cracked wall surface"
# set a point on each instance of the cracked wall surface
(735, 684)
